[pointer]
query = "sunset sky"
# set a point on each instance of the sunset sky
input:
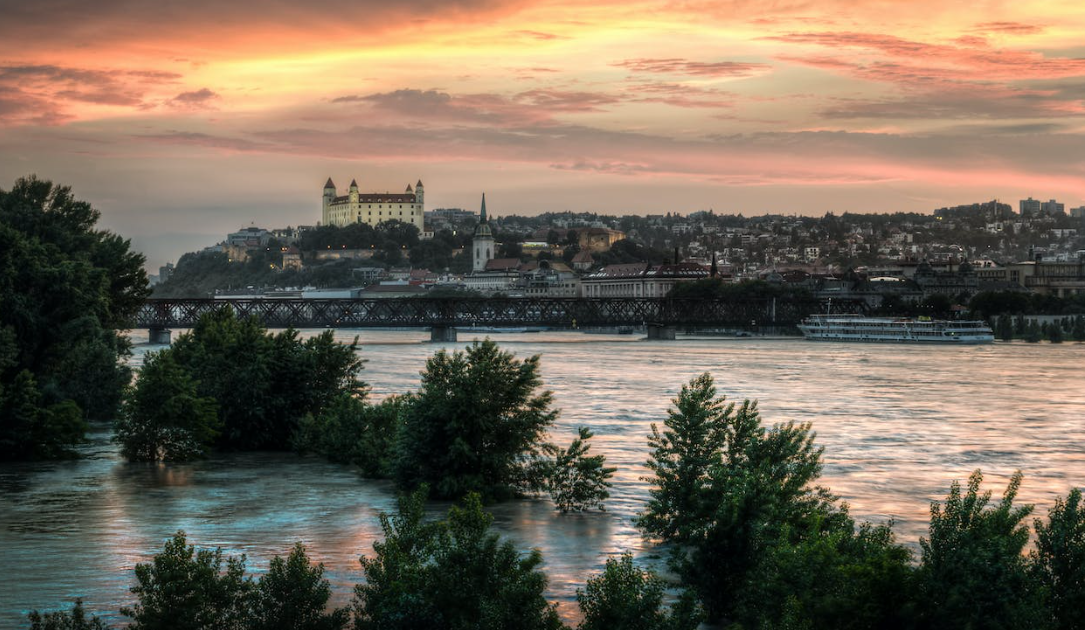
(181, 121)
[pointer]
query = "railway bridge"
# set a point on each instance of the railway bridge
(660, 316)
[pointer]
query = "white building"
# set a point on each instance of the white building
(373, 208)
(639, 279)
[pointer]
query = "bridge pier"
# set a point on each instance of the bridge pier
(442, 334)
(661, 332)
(159, 336)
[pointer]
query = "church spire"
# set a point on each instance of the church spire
(482, 214)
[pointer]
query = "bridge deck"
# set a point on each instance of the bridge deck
(424, 312)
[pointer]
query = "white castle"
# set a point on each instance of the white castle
(373, 208)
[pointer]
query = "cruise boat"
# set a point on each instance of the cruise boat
(894, 329)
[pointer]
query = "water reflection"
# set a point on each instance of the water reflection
(898, 424)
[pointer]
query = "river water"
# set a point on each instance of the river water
(898, 424)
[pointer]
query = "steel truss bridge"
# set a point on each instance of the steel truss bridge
(422, 312)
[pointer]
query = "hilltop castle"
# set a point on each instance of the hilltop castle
(373, 208)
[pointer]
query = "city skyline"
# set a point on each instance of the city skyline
(182, 122)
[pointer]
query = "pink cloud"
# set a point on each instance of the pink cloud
(696, 68)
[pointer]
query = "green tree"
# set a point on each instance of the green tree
(1078, 331)
(1004, 328)
(75, 620)
(973, 573)
(626, 597)
(1058, 562)
(477, 424)
(727, 490)
(66, 289)
(1054, 332)
(578, 481)
(164, 418)
(836, 576)
(293, 595)
(449, 575)
(350, 431)
(1033, 332)
(186, 589)
(264, 384)
(30, 429)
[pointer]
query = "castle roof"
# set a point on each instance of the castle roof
(330, 184)
(378, 198)
(353, 183)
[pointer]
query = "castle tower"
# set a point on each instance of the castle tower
(483, 241)
(419, 193)
(329, 196)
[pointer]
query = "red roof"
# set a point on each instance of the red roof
(502, 264)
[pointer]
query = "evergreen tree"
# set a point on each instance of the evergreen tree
(626, 597)
(578, 481)
(293, 595)
(973, 573)
(476, 425)
(1058, 562)
(1054, 332)
(185, 589)
(450, 575)
(164, 418)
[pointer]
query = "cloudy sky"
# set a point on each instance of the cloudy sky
(181, 120)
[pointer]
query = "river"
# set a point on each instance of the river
(898, 424)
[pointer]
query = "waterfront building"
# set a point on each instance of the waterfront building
(639, 279)
(373, 208)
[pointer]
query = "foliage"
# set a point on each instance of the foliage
(578, 481)
(1004, 327)
(973, 573)
(476, 424)
(837, 576)
(728, 490)
(989, 303)
(264, 383)
(164, 418)
(30, 429)
(66, 289)
(350, 431)
(1054, 332)
(293, 595)
(626, 597)
(1033, 332)
(185, 589)
(74, 620)
(1058, 562)
(449, 575)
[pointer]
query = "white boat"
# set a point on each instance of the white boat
(894, 329)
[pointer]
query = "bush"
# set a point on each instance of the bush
(350, 431)
(476, 425)
(30, 429)
(293, 595)
(75, 620)
(163, 417)
(626, 597)
(578, 481)
(264, 383)
(185, 589)
(454, 574)
(973, 573)
(1058, 562)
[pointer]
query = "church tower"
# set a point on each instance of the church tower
(329, 196)
(484, 240)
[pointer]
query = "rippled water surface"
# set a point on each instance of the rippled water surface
(898, 424)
